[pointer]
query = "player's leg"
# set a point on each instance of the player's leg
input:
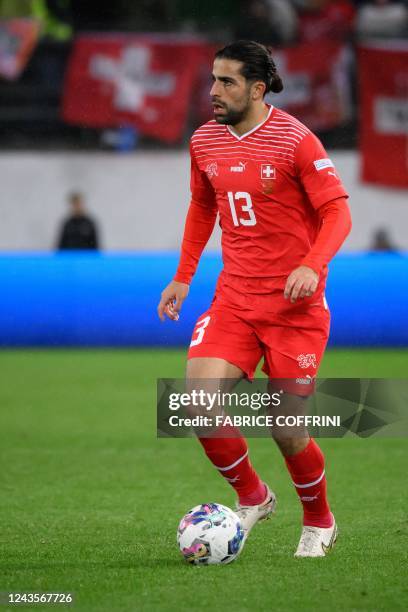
(307, 471)
(294, 351)
(306, 465)
(229, 454)
(224, 349)
(304, 460)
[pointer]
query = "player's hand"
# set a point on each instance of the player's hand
(302, 282)
(172, 299)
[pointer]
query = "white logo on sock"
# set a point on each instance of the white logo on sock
(310, 498)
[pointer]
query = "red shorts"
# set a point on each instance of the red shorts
(250, 319)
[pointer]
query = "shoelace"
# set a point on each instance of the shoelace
(310, 538)
(243, 510)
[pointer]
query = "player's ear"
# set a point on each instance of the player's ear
(258, 90)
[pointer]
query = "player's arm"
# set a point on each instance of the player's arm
(328, 196)
(199, 225)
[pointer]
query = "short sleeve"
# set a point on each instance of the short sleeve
(201, 189)
(317, 173)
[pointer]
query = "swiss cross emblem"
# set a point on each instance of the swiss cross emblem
(268, 171)
(132, 79)
(307, 360)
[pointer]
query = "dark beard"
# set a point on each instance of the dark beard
(233, 116)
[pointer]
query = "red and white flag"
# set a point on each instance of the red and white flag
(316, 83)
(145, 82)
(383, 80)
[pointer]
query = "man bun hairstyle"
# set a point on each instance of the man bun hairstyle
(258, 64)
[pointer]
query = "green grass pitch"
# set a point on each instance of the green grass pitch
(90, 499)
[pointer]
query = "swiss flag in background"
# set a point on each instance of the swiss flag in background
(383, 80)
(146, 82)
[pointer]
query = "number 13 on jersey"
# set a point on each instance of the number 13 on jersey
(235, 202)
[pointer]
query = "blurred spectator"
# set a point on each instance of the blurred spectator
(284, 17)
(325, 19)
(382, 242)
(78, 230)
(54, 15)
(210, 16)
(256, 22)
(382, 18)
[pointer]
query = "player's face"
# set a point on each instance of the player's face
(230, 92)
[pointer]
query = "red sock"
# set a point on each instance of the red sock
(230, 457)
(307, 471)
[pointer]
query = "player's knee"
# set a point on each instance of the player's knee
(289, 444)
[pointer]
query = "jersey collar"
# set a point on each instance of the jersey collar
(253, 129)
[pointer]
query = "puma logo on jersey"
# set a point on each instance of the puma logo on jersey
(240, 168)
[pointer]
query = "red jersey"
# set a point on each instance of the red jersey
(267, 186)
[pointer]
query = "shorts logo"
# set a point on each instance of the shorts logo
(268, 171)
(212, 169)
(307, 360)
(304, 381)
(321, 164)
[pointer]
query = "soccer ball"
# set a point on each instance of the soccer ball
(210, 534)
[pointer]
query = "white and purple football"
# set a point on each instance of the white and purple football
(210, 534)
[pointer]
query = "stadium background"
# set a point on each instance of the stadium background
(91, 497)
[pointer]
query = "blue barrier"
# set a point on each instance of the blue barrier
(87, 299)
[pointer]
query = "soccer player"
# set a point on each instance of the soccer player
(283, 213)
